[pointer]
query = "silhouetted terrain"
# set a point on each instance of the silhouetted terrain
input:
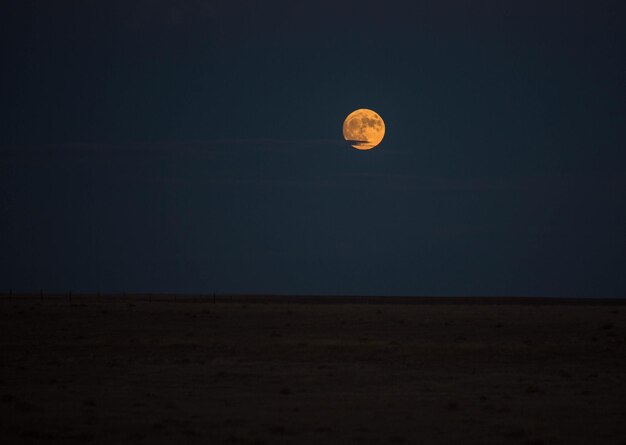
(281, 370)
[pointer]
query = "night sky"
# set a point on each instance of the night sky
(196, 147)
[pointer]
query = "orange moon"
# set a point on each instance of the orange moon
(364, 129)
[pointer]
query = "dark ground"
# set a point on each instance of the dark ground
(114, 370)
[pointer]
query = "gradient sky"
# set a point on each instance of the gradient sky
(196, 146)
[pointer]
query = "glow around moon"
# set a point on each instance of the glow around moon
(363, 129)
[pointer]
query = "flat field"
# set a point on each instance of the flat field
(288, 370)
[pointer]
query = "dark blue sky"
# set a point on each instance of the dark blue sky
(197, 147)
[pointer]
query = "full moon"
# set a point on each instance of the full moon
(363, 129)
